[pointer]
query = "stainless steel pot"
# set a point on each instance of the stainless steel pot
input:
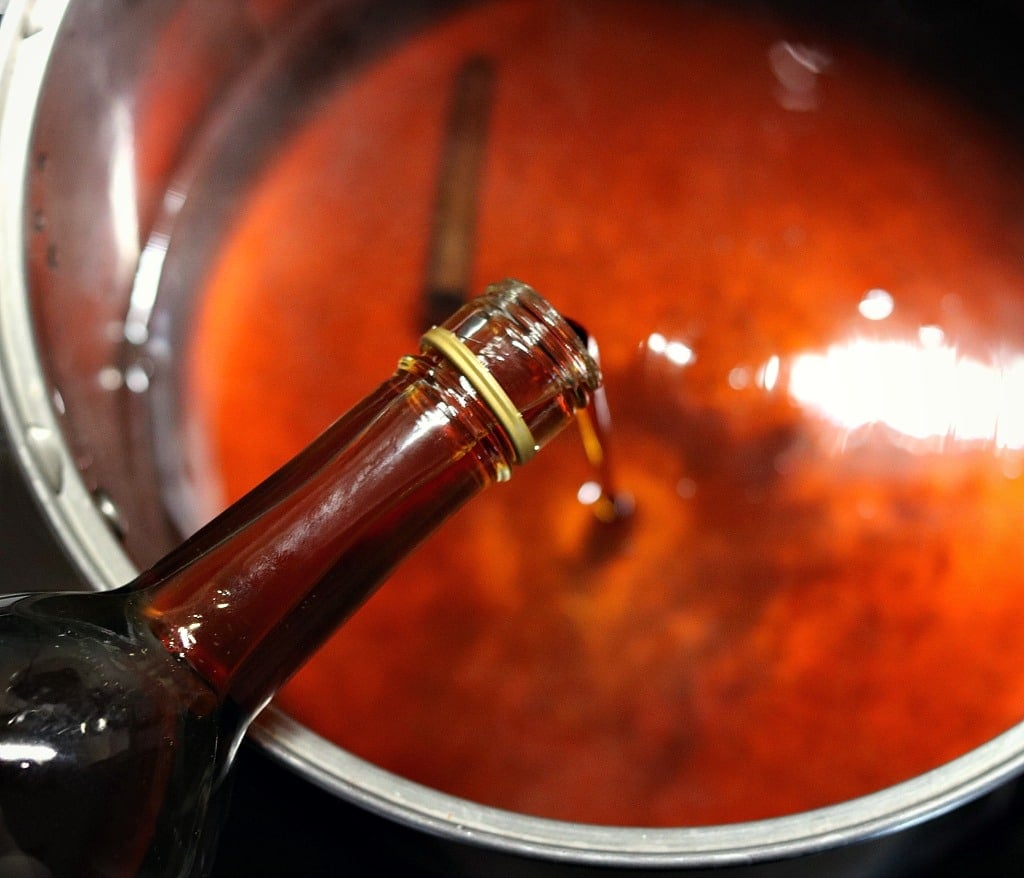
(113, 121)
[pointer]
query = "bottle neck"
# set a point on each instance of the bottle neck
(253, 594)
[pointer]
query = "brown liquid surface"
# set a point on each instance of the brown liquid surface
(804, 606)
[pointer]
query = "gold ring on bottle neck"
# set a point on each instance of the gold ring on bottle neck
(454, 349)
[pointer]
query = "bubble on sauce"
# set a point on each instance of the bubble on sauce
(796, 68)
(877, 304)
(676, 352)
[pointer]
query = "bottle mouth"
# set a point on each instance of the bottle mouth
(569, 334)
(530, 366)
(580, 330)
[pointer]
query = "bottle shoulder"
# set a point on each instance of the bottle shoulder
(75, 668)
(108, 743)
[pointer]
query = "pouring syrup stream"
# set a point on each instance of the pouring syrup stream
(607, 501)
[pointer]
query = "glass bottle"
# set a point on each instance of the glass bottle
(120, 711)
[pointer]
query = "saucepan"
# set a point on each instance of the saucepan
(796, 235)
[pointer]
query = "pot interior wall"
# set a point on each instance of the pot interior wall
(185, 102)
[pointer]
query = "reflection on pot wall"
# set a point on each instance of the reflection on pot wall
(163, 86)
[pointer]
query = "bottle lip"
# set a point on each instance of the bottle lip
(452, 348)
(511, 290)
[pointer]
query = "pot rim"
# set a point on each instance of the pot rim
(27, 36)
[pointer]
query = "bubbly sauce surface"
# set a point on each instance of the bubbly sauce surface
(804, 269)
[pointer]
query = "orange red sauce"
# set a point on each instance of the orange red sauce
(802, 610)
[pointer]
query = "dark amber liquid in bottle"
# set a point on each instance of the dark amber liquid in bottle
(109, 743)
(120, 712)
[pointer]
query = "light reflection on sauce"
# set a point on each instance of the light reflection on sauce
(804, 279)
(928, 395)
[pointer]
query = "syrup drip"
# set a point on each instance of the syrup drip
(606, 500)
